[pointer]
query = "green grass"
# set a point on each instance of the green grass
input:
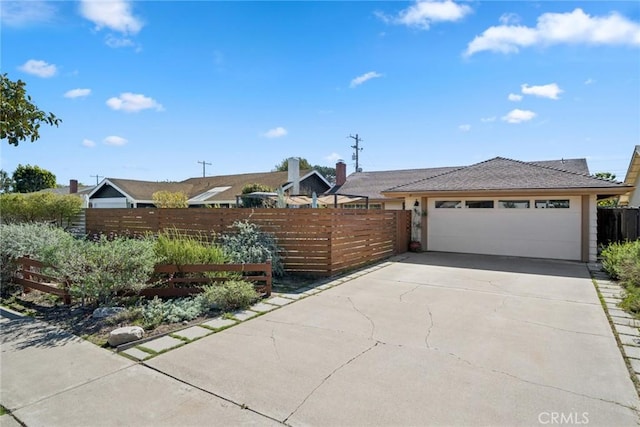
(3, 410)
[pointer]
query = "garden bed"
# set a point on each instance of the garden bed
(78, 319)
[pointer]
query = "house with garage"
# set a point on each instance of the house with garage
(501, 206)
(632, 178)
(219, 191)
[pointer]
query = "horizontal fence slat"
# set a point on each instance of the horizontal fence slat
(314, 241)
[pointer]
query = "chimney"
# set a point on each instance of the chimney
(341, 172)
(294, 174)
(73, 186)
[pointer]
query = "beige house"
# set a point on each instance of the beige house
(632, 198)
(507, 207)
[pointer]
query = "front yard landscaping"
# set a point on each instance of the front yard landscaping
(112, 271)
(622, 262)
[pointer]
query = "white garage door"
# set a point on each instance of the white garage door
(539, 227)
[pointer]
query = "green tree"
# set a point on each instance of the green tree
(284, 165)
(6, 182)
(606, 175)
(327, 171)
(20, 118)
(254, 202)
(28, 179)
(168, 199)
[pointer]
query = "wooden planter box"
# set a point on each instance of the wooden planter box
(173, 280)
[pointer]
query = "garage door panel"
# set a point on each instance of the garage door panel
(542, 233)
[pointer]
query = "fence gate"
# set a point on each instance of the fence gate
(618, 225)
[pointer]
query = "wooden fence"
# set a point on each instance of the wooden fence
(618, 225)
(318, 242)
(169, 280)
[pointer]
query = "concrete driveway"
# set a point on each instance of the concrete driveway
(436, 339)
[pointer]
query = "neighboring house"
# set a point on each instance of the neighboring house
(508, 207)
(221, 191)
(73, 188)
(632, 199)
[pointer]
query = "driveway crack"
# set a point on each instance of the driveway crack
(275, 345)
(408, 292)
(517, 378)
(373, 325)
(558, 329)
(426, 338)
(325, 379)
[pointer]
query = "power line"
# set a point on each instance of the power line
(97, 177)
(204, 164)
(357, 150)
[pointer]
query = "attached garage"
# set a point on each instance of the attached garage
(539, 227)
(544, 209)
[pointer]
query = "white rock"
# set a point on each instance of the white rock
(124, 335)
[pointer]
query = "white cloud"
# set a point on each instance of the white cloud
(77, 93)
(488, 119)
(333, 157)
(550, 91)
(509, 18)
(23, 13)
(113, 14)
(589, 81)
(115, 141)
(464, 128)
(133, 102)
(39, 68)
(363, 78)
(117, 42)
(514, 97)
(275, 132)
(425, 12)
(518, 116)
(574, 27)
(89, 143)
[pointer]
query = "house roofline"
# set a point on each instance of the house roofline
(516, 191)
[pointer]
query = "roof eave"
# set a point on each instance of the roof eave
(612, 191)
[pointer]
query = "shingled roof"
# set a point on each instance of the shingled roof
(228, 186)
(506, 174)
(371, 184)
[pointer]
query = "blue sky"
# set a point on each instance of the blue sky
(146, 89)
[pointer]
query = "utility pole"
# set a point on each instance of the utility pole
(204, 164)
(97, 177)
(357, 149)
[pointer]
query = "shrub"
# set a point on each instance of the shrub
(231, 295)
(168, 199)
(99, 270)
(622, 262)
(248, 245)
(32, 239)
(173, 247)
(158, 311)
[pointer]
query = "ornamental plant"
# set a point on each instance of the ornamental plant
(248, 244)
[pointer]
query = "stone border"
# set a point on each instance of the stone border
(625, 326)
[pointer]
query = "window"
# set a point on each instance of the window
(479, 204)
(544, 204)
(514, 204)
(448, 204)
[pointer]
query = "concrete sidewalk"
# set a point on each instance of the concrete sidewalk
(51, 378)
